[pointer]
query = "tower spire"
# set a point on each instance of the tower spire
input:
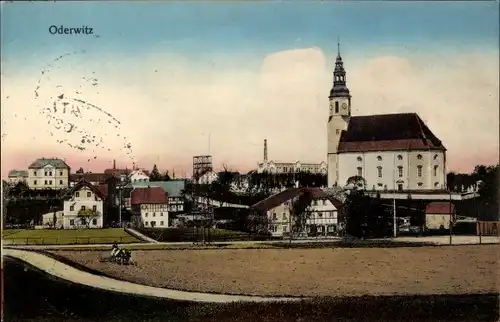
(338, 46)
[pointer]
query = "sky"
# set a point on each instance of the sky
(160, 82)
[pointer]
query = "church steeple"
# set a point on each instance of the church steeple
(339, 88)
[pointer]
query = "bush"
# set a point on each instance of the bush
(189, 234)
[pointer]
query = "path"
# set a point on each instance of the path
(71, 274)
(140, 236)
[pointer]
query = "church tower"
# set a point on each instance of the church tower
(338, 117)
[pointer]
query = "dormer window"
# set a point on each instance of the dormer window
(419, 157)
(379, 158)
(359, 159)
(400, 157)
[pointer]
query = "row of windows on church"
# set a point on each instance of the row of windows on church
(400, 171)
(400, 157)
(339, 78)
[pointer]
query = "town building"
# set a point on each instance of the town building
(271, 166)
(83, 207)
(152, 205)
(439, 215)
(139, 175)
(173, 192)
(391, 152)
(16, 176)
(48, 173)
(93, 178)
(322, 215)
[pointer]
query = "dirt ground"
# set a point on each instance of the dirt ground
(310, 272)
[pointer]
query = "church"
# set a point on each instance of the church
(391, 152)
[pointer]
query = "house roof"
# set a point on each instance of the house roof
(173, 188)
(42, 162)
(151, 195)
(80, 185)
(103, 188)
(18, 173)
(116, 172)
(388, 132)
(279, 198)
(91, 177)
(440, 208)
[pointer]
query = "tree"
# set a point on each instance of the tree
(87, 215)
(155, 174)
(80, 170)
(299, 210)
(166, 177)
(357, 182)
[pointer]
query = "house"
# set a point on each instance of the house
(93, 178)
(53, 219)
(321, 215)
(16, 176)
(139, 175)
(208, 177)
(48, 173)
(439, 214)
(152, 206)
(83, 206)
(289, 167)
(173, 190)
(390, 152)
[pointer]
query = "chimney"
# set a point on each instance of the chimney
(265, 150)
(114, 164)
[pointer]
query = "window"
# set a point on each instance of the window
(284, 216)
(379, 158)
(84, 221)
(419, 170)
(420, 184)
(89, 194)
(161, 223)
(34, 182)
(400, 157)
(360, 171)
(77, 194)
(145, 223)
(336, 107)
(400, 171)
(359, 159)
(50, 173)
(337, 131)
(60, 173)
(419, 157)
(45, 173)
(380, 185)
(320, 215)
(154, 214)
(34, 173)
(45, 181)
(71, 208)
(436, 156)
(60, 182)
(146, 214)
(94, 208)
(83, 208)
(71, 222)
(50, 181)
(285, 228)
(273, 228)
(435, 170)
(94, 221)
(161, 214)
(315, 202)
(379, 172)
(436, 184)
(324, 202)
(400, 186)
(274, 216)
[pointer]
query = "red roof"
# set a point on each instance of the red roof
(116, 172)
(440, 208)
(103, 188)
(388, 132)
(279, 198)
(87, 184)
(91, 177)
(150, 195)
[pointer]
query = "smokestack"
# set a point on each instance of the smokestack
(265, 150)
(114, 164)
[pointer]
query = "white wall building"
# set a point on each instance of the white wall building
(139, 175)
(391, 151)
(48, 173)
(16, 176)
(152, 206)
(208, 177)
(83, 207)
(321, 215)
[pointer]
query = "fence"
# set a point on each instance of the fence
(56, 240)
(488, 228)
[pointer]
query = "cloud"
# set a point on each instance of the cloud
(168, 104)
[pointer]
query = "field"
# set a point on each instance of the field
(310, 272)
(64, 237)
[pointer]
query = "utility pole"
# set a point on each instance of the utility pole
(451, 215)
(394, 221)
(120, 205)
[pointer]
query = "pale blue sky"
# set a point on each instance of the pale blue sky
(202, 29)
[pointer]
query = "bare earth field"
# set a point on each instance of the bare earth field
(310, 272)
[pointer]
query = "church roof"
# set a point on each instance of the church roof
(388, 132)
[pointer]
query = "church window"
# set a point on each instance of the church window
(359, 159)
(400, 157)
(419, 157)
(360, 172)
(379, 158)
(419, 170)
(379, 172)
(336, 107)
(435, 170)
(400, 171)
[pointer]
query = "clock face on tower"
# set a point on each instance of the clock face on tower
(344, 105)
